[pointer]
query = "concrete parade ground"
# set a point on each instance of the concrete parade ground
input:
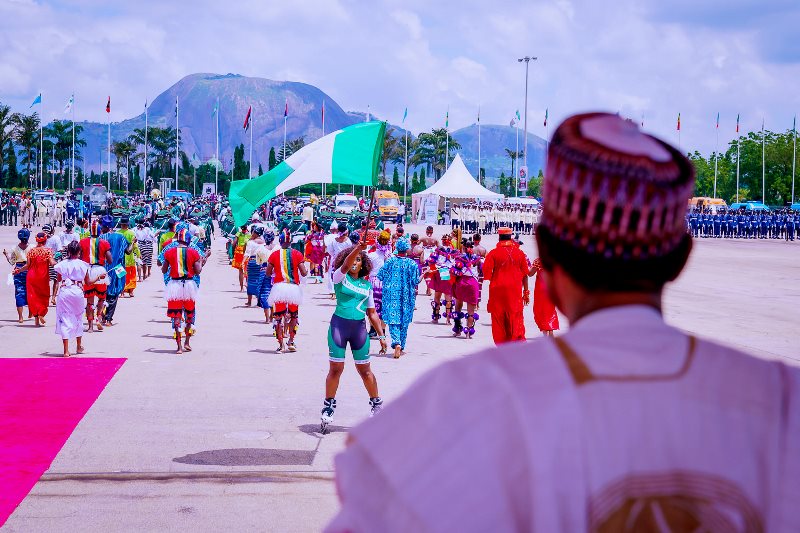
(225, 437)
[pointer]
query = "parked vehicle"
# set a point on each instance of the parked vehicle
(388, 204)
(345, 203)
(749, 206)
(705, 202)
(186, 196)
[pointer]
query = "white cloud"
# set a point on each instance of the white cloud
(632, 56)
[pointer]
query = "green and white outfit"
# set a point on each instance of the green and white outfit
(353, 298)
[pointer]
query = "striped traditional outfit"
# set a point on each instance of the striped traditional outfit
(181, 292)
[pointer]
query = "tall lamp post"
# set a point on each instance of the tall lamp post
(527, 61)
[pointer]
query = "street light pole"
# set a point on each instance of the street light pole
(527, 61)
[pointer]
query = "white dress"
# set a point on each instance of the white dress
(70, 303)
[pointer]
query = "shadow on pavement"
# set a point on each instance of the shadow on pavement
(313, 429)
(249, 457)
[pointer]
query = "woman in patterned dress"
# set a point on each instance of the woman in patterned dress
(17, 259)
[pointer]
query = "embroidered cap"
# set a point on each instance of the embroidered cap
(613, 191)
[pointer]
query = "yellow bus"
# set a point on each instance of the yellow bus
(704, 202)
(388, 203)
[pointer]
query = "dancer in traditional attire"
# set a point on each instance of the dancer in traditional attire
(506, 268)
(70, 302)
(262, 258)
(400, 276)
(182, 263)
(286, 264)
(119, 247)
(252, 268)
(354, 302)
(315, 250)
(466, 289)
(144, 239)
(378, 254)
(429, 246)
(167, 235)
(130, 259)
(18, 259)
(239, 243)
(544, 311)
(95, 252)
(40, 259)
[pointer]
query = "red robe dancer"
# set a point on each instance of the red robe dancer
(286, 294)
(40, 259)
(506, 269)
(544, 310)
(181, 291)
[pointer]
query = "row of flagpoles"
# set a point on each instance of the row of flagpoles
(249, 120)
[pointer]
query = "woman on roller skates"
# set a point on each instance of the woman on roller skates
(354, 302)
(466, 289)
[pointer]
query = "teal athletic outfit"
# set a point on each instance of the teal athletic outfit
(353, 298)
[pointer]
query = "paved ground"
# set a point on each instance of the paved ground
(225, 437)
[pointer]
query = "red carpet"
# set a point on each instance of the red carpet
(41, 403)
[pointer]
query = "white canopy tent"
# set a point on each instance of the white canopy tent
(456, 185)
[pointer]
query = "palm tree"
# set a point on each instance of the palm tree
(7, 128)
(60, 133)
(433, 150)
(291, 147)
(123, 150)
(391, 148)
(27, 136)
(514, 156)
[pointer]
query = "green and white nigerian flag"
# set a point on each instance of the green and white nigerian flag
(349, 156)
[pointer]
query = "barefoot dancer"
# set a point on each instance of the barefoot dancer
(353, 302)
(96, 252)
(286, 295)
(183, 263)
(18, 259)
(72, 274)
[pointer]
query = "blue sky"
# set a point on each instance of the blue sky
(645, 58)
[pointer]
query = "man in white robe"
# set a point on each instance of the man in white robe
(621, 424)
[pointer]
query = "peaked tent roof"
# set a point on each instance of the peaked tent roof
(457, 182)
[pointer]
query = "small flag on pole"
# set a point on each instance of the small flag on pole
(512, 123)
(323, 111)
(737, 122)
(286, 109)
(518, 117)
(145, 104)
(405, 115)
(176, 106)
(479, 114)
(37, 100)
(447, 119)
(216, 107)
(546, 111)
(717, 120)
(68, 107)
(246, 125)
(108, 105)
(643, 120)
(794, 124)
(679, 122)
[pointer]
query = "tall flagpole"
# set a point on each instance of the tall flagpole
(72, 165)
(41, 148)
(515, 164)
(738, 146)
(405, 165)
(447, 139)
(250, 162)
(794, 153)
(763, 165)
(716, 158)
(108, 176)
(216, 155)
(479, 143)
(177, 139)
(323, 134)
(144, 182)
(285, 116)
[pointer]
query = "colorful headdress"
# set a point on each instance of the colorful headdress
(94, 228)
(183, 236)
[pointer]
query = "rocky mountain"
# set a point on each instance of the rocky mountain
(198, 93)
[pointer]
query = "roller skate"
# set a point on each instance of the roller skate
(329, 405)
(457, 328)
(471, 320)
(376, 404)
(436, 315)
(448, 313)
